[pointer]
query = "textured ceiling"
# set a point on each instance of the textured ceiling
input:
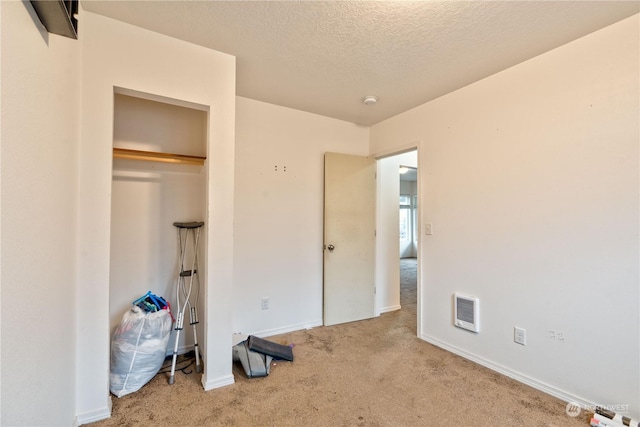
(325, 56)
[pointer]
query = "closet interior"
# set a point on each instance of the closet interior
(159, 177)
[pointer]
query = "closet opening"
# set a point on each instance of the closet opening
(159, 176)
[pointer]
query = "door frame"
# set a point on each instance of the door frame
(415, 146)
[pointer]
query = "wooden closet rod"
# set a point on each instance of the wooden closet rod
(154, 156)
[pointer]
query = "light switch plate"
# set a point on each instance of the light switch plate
(428, 229)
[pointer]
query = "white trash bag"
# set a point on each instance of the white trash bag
(138, 349)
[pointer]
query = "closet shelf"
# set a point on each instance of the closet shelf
(153, 156)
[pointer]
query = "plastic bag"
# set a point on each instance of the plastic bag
(138, 349)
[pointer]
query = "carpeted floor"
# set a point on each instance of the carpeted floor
(370, 373)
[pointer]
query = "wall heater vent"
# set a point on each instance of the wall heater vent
(466, 312)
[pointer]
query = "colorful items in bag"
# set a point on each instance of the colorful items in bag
(151, 303)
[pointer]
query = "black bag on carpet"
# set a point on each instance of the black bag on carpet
(275, 350)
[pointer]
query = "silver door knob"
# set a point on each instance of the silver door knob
(331, 248)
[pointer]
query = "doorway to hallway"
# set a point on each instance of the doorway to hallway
(408, 232)
(397, 234)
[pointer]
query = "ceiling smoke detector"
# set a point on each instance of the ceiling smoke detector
(370, 100)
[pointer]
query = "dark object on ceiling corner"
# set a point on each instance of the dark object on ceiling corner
(58, 16)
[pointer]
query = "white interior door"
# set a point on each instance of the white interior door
(349, 238)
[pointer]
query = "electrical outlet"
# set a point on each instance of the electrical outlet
(265, 303)
(519, 336)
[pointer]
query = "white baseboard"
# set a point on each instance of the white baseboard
(217, 382)
(538, 385)
(93, 416)
(182, 350)
(390, 308)
(285, 329)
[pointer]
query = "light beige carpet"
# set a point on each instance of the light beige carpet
(369, 373)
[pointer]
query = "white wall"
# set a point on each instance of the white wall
(279, 215)
(147, 198)
(387, 230)
(530, 178)
(40, 134)
(117, 55)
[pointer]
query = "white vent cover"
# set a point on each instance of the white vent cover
(466, 312)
